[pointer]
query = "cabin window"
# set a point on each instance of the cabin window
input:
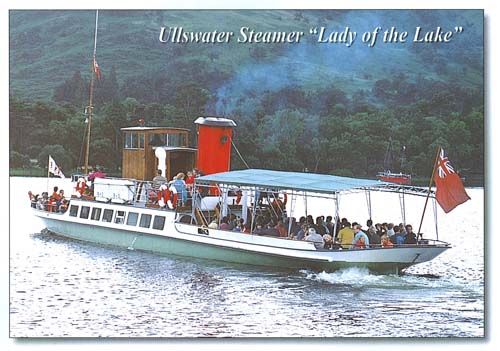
(176, 139)
(145, 221)
(120, 217)
(159, 222)
(96, 214)
(84, 213)
(134, 140)
(156, 139)
(73, 210)
(132, 218)
(107, 216)
(167, 139)
(141, 141)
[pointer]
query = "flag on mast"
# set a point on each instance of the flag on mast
(54, 168)
(450, 191)
(97, 70)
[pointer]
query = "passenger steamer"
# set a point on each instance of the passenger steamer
(122, 212)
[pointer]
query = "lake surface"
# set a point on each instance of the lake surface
(60, 287)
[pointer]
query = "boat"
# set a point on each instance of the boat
(125, 212)
(393, 177)
(134, 213)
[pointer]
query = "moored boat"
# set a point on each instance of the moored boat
(394, 177)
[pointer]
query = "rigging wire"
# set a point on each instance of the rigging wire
(239, 154)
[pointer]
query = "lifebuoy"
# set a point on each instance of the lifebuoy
(238, 196)
(167, 196)
(163, 195)
(173, 196)
(80, 187)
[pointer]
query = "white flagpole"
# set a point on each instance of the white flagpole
(48, 173)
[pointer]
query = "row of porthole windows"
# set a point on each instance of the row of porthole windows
(118, 216)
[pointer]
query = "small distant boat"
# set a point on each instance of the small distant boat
(393, 177)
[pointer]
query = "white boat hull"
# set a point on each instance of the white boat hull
(194, 241)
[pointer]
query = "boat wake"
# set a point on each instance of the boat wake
(362, 278)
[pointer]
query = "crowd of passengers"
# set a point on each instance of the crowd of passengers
(56, 202)
(324, 233)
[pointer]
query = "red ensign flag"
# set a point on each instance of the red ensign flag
(450, 191)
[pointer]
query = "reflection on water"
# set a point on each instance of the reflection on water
(62, 287)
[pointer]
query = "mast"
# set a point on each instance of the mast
(388, 156)
(89, 107)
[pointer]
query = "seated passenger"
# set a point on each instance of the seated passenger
(55, 194)
(302, 232)
(385, 242)
(328, 240)
(239, 227)
(390, 229)
(360, 243)
(359, 233)
(224, 225)
(410, 236)
(398, 237)
(346, 235)
(321, 227)
(158, 181)
(281, 229)
(189, 181)
(316, 238)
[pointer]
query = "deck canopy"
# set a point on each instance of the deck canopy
(321, 183)
(311, 182)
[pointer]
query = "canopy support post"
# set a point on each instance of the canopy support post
(334, 234)
(369, 203)
(403, 206)
(254, 207)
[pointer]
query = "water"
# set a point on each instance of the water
(60, 287)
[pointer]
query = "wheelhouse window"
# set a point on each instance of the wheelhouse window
(132, 218)
(73, 210)
(159, 222)
(134, 140)
(107, 216)
(145, 221)
(120, 217)
(84, 212)
(167, 139)
(96, 214)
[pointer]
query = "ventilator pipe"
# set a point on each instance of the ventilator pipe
(161, 155)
